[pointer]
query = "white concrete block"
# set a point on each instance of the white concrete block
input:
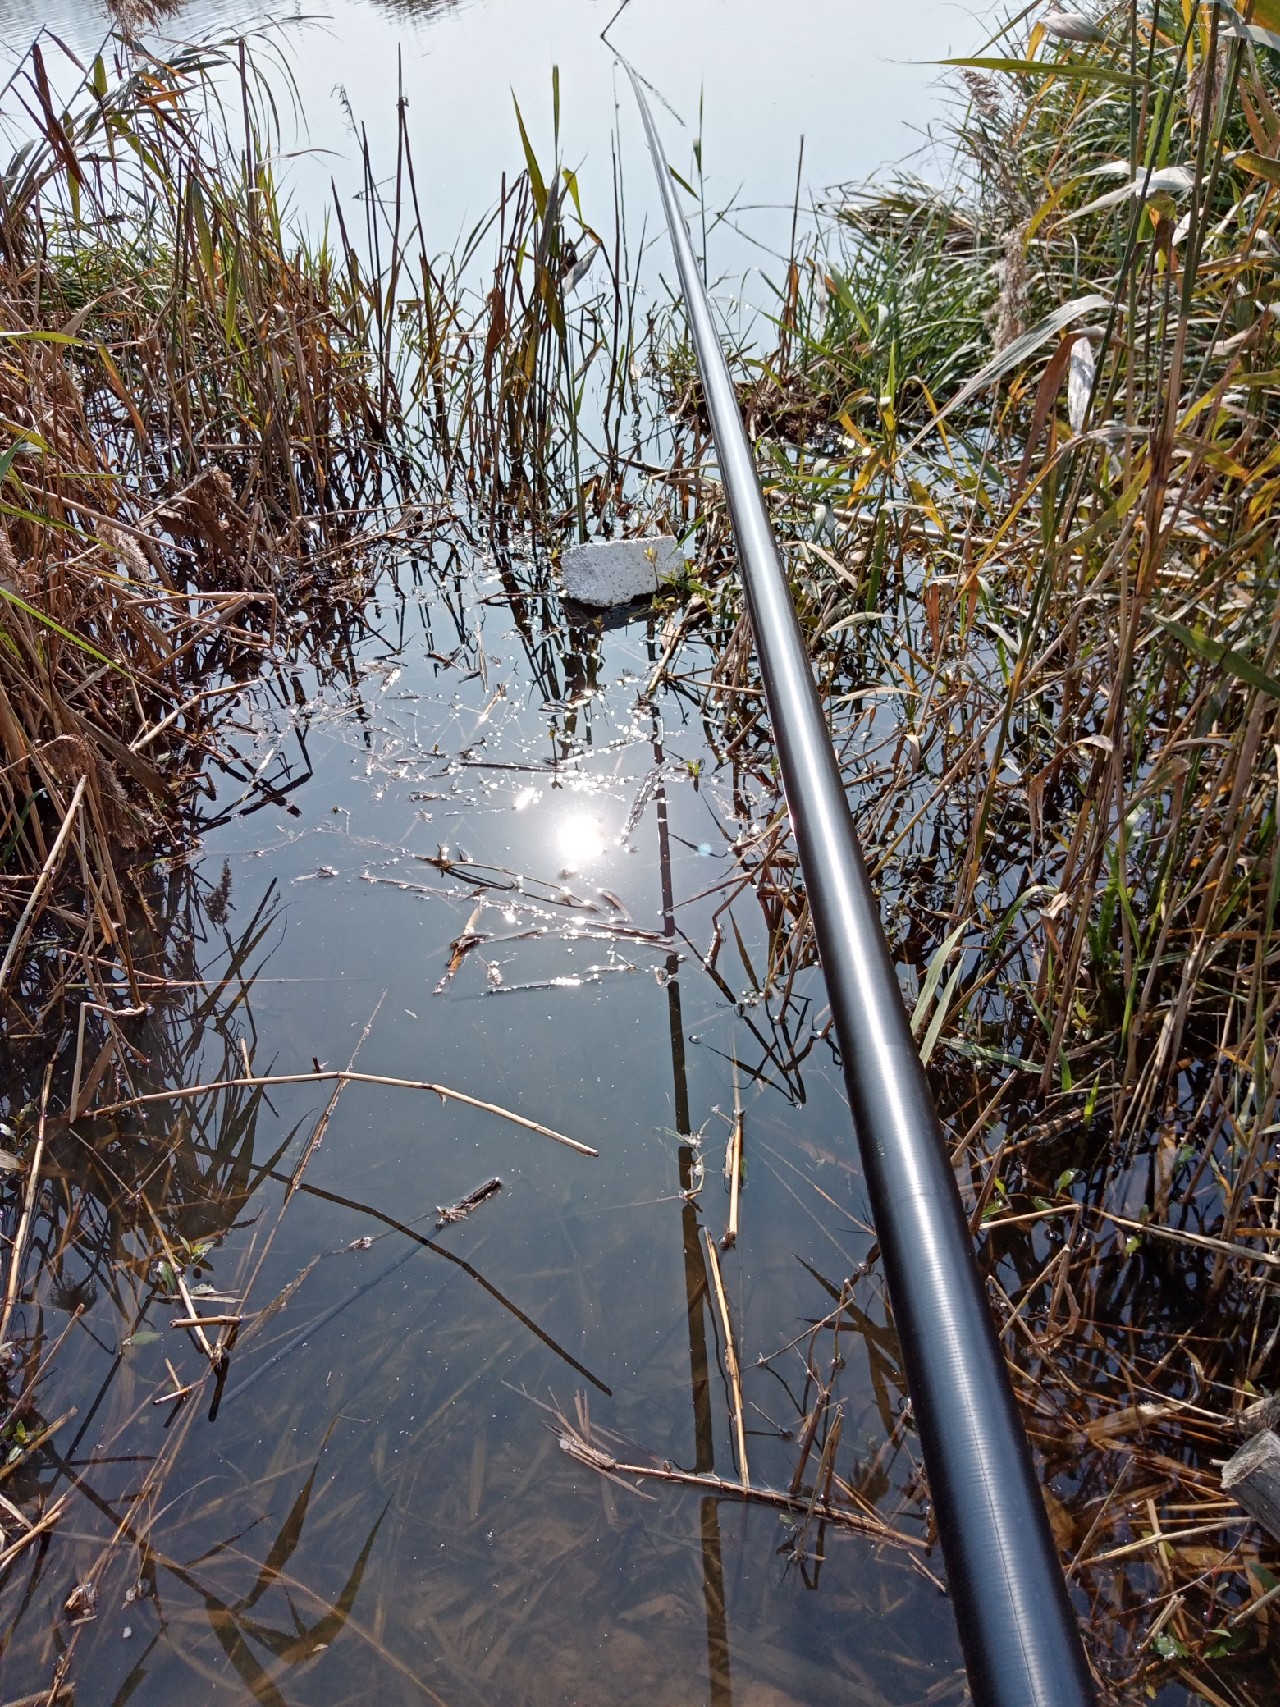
(611, 571)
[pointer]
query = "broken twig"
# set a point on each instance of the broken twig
(345, 1076)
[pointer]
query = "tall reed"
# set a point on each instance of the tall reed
(1021, 434)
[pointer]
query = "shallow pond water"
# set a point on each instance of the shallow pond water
(471, 849)
(380, 1503)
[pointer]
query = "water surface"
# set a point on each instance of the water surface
(472, 848)
(381, 1504)
(852, 79)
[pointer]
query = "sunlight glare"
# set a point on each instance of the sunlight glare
(580, 839)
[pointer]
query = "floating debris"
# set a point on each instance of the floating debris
(82, 1603)
(446, 1216)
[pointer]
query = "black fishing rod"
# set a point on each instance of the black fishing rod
(1021, 1643)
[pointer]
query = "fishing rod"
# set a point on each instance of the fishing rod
(1021, 1643)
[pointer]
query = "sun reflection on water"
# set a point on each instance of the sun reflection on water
(580, 840)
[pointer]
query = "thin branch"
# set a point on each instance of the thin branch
(347, 1077)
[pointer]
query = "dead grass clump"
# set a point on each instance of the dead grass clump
(193, 438)
(192, 433)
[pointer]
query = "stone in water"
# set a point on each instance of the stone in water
(1252, 1478)
(613, 571)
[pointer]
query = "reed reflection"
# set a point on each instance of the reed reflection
(697, 1285)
